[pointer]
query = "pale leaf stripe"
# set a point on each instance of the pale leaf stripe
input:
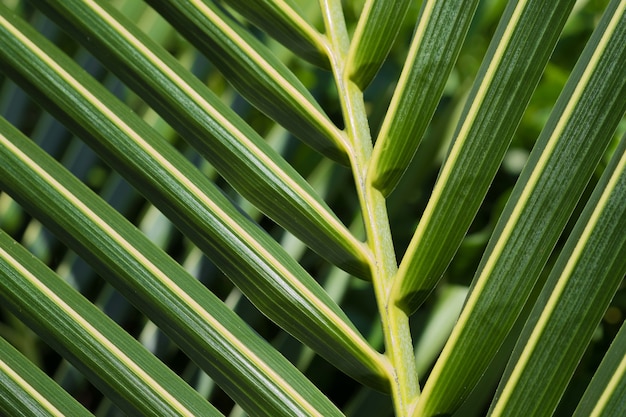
(378, 27)
(616, 379)
(303, 25)
(199, 100)
(459, 143)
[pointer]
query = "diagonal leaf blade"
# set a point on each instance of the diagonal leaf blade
(255, 72)
(271, 279)
(104, 352)
(572, 302)
(26, 390)
(378, 27)
(442, 27)
(283, 20)
(241, 156)
(555, 176)
(516, 57)
(605, 394)
(243, 364)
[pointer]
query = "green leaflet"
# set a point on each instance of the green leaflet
(115, 362)
(25, 389)
(244, 365)
(605, 394)
(555, 176)
(378, 27)
(272, 280)
(516, 57)
(240, 155)
(571, 303)
(436, 44)
(255, 72)
(283, 20)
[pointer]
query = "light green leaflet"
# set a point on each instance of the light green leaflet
(555, 176)
(572, 302)
(241, 362)
(271, 279)
(283, 20)
(255, 72)
(240, 155)
(605, 394)
(503, 87)
(26, 390)
(378, 27)
(115, 362)
(435, 46)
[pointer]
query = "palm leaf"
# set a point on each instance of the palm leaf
(442, 27)
(151, 165)
(256, 73)
(562, 161)
(29, 391)
(605, 394)
(204, 327)
(107, 354)
(377, 29)
(229, 237)
(570, 305)
(261, 176)
(509, 73)
(285, 22)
